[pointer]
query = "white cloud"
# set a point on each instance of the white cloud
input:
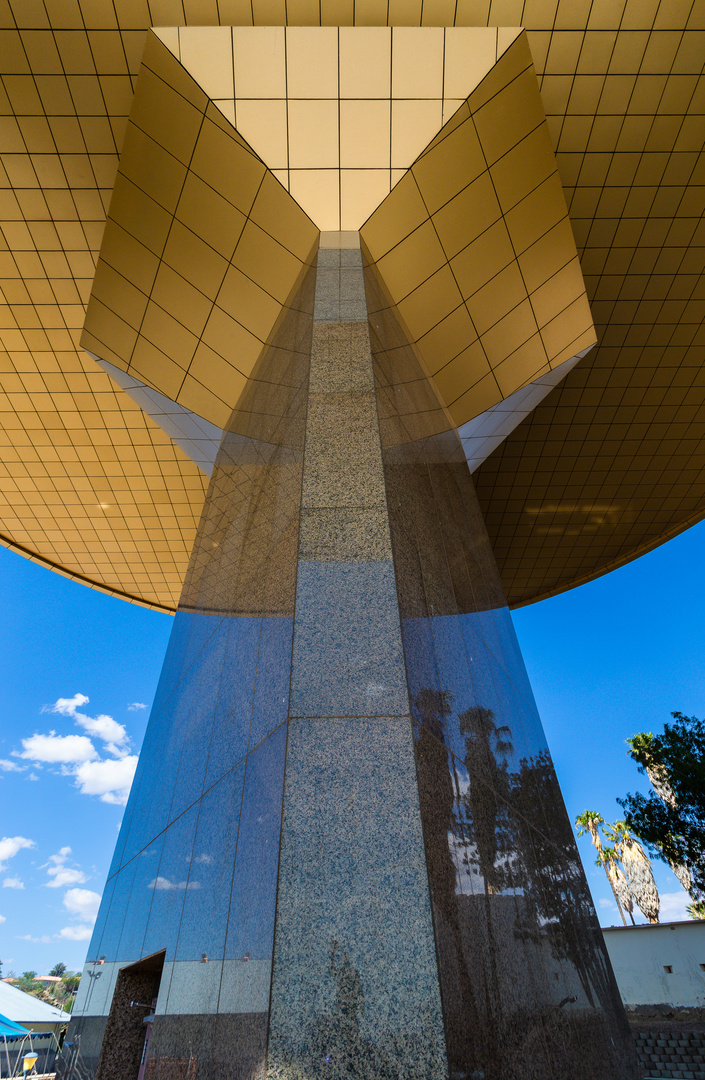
(33, 776)
(13, 883)
(673, 906)
(135, 706)
(10, 845)
(109, 779)
(43, 940)
(10, 766)
(67, 749)
(606, 905)
(83, 903)
(2, 919)
(60, 874)
(160, 883)
(103, 727)
(75, 933)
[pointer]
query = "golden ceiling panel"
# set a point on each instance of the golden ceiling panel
(221, 245)
(624, 95)
(474, 250)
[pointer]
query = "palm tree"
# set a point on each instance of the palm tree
(619, 883)
(637, 869)
(643, 751)
(590, 821)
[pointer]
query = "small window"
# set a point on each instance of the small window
(668, 968)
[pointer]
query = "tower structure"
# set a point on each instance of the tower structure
(338, 278)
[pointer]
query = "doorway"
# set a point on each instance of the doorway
(126, 1042)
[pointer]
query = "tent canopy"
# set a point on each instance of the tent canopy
(10, 1030)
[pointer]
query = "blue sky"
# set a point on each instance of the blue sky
(606, 660)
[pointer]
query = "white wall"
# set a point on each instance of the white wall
(640, 955)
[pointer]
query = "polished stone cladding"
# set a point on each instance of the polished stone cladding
(526, 983)
(345, 853)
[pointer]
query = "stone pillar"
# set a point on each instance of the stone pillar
(345, 834)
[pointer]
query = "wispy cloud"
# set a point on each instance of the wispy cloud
(135, 706)
(10, 845)
(3, 919)
(606, 905)
(58, 749)
(75, 933)
(13, 883)
(43, 940)
(10, 766)
(61, 875)
(673, 905)
(102, 727)
(108, 778)
(83, 903)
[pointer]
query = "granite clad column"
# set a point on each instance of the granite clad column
(355, 984)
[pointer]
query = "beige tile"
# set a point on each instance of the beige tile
(448, 338)
(246, 302)
(403, 211)
(361, 192)
(154, 367)
(536, 213)
(227, 108)
(209, 215)
(505, 337)
(450, 166)
(464, 371)
(279, 215)
(497, 298)
(523, 168)
(450, 108)
(563, 330)
(413, 260)
(313, 134)
(414, 124)
(365, 134)
(483, 395)
(470, 52)
(264, 125)
(483, 258)
(225, 165)
(540, 261)
(365, 61)
(195, 397)
(417, 62)
(430, 303)
(312, 61)
(522, 366)
(207, 54)
(317, 191)
(260, 67)
(232, 341)
(558, 293)
(194, 260)
(466, 216)
(509, 116)
(266, 262)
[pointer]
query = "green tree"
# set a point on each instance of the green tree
(28, 983)
(671, 819)
(58, 970)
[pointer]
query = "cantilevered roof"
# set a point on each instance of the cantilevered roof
(608, 465)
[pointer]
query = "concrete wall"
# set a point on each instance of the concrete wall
(640, 957)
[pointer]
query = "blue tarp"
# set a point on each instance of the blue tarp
(10, 1030)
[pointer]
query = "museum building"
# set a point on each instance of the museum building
(340, 328)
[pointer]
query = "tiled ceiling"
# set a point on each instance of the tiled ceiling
(607, 466)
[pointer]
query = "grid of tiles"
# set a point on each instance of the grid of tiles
(475, 250)
(337, 114)
(67, 87)
(203, 247)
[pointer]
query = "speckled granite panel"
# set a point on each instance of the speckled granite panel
(81, 1049)
(526, 984)
(354, 986)
(348, 657)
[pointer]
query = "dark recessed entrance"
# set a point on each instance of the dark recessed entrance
(127, 1031)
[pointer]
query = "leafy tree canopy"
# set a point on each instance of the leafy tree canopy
(58, 970)
(672, 824)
